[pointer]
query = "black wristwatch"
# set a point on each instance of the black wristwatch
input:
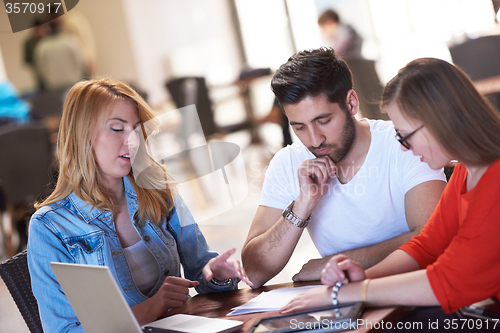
(222, 283)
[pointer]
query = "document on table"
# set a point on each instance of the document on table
(269, 300)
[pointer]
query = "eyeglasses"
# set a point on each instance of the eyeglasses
(403, 140)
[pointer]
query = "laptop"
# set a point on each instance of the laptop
(101, 307)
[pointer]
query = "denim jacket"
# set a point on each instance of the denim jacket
(71, 231)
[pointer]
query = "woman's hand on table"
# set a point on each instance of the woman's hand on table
(338, 269)
(222, 268)
(341, 269)
(313, 298)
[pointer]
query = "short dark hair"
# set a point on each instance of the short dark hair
(311, 73)
(328, 15)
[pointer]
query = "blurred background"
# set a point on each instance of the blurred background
(149, 42)
(219, 55)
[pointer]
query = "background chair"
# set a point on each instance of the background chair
(25, 172)
(47, 103)
(187, 91)
(479, 59)
(193, 90)
(368, 87)
(15, 274)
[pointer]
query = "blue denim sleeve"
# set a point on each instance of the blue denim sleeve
(193, 249)
(45, 246)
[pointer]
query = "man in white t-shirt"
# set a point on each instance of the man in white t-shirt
(347, 181)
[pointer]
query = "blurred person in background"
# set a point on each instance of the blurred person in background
(343, 38)
(59, 58)
(39, 31)
(76, 24)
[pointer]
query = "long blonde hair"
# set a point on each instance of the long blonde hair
(78, 170)
(445, 100)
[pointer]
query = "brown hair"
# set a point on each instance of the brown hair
(78, 170)
(328, 15)
(444, 99)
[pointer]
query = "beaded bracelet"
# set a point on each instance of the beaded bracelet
(335, 301)
(335, 290)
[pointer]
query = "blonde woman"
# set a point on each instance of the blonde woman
(100, 213)
(440, 116)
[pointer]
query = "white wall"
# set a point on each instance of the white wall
(174, 38)
(11, 46)
(3, 75)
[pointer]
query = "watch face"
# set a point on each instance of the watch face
(221, 283)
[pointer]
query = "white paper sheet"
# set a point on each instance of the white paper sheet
(269, 300)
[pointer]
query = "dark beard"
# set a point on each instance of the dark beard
(346, 141)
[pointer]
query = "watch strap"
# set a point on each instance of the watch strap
(290, 216)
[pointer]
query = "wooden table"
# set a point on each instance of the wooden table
(217, 305)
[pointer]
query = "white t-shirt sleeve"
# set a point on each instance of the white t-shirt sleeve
(413, 172)
(280, 183)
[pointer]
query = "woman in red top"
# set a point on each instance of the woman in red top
(438, 115)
